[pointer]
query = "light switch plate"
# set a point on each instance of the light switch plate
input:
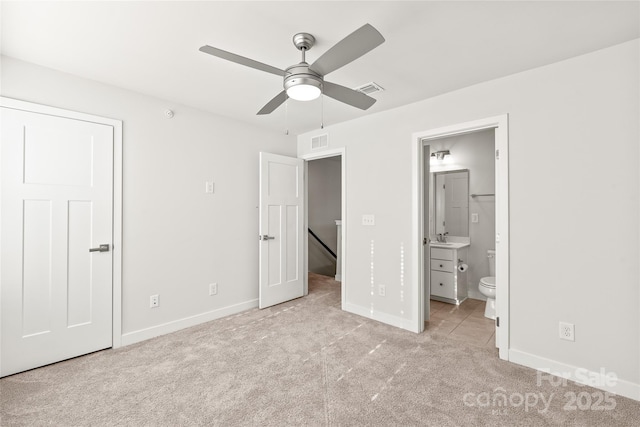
(368, 219)
(474, 217)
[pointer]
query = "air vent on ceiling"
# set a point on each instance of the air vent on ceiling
(369, 88)
(320, 141)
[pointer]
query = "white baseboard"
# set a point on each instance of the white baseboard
(583, 376)
(475, 294)
(338, 278)
(176, 325)
(379, 316)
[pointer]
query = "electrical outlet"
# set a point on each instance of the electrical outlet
(154, 301)
(368, 219)
(567, 331)
(382, 290)
(213, 289)
(208, 187)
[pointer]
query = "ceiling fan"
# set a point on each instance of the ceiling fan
(305, 82)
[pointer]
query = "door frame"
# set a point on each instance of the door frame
(116, 303)
(343, 208)
(419, 140)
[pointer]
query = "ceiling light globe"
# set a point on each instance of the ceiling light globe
(303, 92)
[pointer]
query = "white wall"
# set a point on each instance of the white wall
(573, 209)
(324, 195)
(177, 239)
(475, 152)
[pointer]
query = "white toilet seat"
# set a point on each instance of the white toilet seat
(488, 282)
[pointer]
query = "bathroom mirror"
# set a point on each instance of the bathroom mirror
(451, 202)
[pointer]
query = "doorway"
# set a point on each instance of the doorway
(461, 231)
(324, 215)
(327, 223)
(420, 147)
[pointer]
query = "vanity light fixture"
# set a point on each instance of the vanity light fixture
(440, 154)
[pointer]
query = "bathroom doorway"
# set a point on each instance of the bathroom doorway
(424, 144)
(461, 229)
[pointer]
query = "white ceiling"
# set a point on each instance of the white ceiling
(431, 48)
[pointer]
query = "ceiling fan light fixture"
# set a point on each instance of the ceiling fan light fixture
(303, 92)
(302, 86)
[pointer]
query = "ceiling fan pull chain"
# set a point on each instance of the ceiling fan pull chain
(321, 111)
(286, 117)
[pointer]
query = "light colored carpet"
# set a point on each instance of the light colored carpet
(304, 362)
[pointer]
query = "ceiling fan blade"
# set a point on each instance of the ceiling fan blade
(348, 49)
(241, 60)
(274, 103)
(348, 96)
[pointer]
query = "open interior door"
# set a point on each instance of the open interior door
(426, 228)
(281, 229)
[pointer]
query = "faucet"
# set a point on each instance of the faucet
(442, 238)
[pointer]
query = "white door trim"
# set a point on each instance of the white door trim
(500, 124)
(343, 167)
(117, 194)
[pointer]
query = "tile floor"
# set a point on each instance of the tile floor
(464, 322)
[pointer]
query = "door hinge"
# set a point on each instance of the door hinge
(498, 154)
(498, 322)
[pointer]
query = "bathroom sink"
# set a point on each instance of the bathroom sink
(449, 245)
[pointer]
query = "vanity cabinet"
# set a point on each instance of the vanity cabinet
(448, 284)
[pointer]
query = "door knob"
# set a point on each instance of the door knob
(102, 248)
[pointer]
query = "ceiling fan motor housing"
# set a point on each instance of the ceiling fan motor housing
(300, 74)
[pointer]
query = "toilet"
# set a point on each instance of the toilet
(487, 286)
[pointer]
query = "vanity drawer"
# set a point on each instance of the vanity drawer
(442, 265)
(439, 253)
(442, 284)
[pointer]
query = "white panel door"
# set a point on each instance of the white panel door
(281, 229)
(57, 192)
(426, 231)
